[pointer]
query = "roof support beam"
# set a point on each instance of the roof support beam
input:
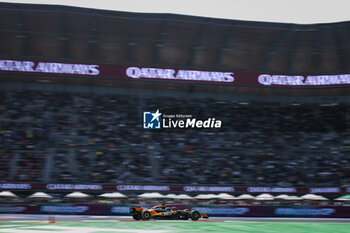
(197, 43)
(293, 51)
(131, 39)
(64, 35)
(93, 37)
(273, 47)
(340, 52)
(160, 42)
(22, 34)
(316, 52)
(224, 45)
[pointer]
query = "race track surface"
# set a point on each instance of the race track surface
(121, 224)
(86, 218)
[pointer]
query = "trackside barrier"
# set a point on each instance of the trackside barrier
(170, 188)
(214, 211)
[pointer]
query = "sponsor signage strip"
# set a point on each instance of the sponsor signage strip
(121, 72)
(168, 188)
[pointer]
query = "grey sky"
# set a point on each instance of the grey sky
(291, 11)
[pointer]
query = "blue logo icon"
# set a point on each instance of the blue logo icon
(152, 120)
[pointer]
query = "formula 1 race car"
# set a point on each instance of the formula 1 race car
(163, 212)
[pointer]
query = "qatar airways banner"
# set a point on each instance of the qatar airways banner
(169, 188)
(123, 72)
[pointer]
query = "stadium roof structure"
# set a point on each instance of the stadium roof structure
(88, 35)
(65, 34)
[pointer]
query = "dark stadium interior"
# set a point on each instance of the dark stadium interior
(70, 34)
(82, 130)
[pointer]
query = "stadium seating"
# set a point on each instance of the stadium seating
(71, 137)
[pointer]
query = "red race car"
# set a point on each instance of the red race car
(164, 212)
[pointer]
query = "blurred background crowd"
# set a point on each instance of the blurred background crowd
(89, 138)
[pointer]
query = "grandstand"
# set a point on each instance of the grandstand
(85, 126)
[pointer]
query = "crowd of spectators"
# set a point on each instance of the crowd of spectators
(90, 138)
(5, 165)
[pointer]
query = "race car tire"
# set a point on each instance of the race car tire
(137, 216)
(146, 215)
(195, 215)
